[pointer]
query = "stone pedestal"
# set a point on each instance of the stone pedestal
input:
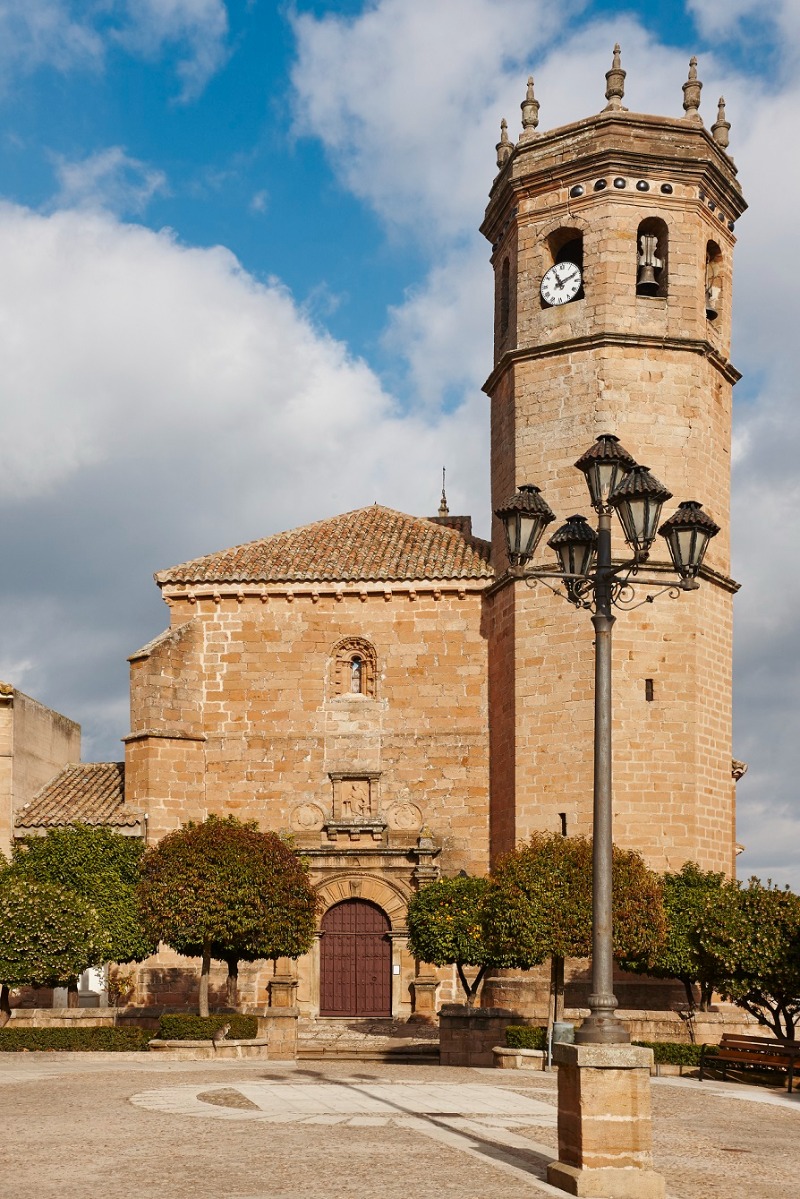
(424, 989)
(604, 1125)
(282, 988)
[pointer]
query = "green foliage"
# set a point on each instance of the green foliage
(106, 1040)
(666, 1053)
(539, 904)
(224, 889)
(754, 937)
(689, 898)
(202, 1028)
(526, 1036)
(444, 925)
(48, 934)
(103, 868)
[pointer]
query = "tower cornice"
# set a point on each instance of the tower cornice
(596, 341)
(634, 144)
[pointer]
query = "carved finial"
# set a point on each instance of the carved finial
(443, 509)
(530, 112)
(691, 94)
(721, 128)
(504, 147)
(615, 84)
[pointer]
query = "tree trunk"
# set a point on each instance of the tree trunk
(232, 985)
(72, 993)
(205, 970)
(689, 989)
(5, 1005)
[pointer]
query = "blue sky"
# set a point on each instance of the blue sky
(238, 247)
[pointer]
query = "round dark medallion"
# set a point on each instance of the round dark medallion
(666, 189)
(730, 226)
(576, 191)
(619, 183)
(600, 185)
(711, 205)
(642, 185)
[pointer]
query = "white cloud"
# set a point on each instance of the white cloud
(33, 32)
(198, 28)
(69, 35)
(109, 179)
(158, 402)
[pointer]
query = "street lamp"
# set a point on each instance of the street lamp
(593, 581)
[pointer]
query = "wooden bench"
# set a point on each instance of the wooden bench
(750, 1053)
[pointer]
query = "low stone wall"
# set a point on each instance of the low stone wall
(468, 1035)
(517, 1059)
(708, 1027)
(63, 1017)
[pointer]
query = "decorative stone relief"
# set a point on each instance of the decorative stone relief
(404, 817)
(308, 817)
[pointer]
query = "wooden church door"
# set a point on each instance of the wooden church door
(355, 961)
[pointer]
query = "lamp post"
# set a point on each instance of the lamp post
(592, 580)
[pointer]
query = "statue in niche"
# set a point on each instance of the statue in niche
(354, 798)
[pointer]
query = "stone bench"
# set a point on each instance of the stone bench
(193, 1051)
(517, 1059)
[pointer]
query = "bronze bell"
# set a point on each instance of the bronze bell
(646, 282)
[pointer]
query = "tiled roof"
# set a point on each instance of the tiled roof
(89, 793)
(370, 544)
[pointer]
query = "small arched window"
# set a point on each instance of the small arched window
(652, 254)
(353, 667)
(505, 297)
(713, 280)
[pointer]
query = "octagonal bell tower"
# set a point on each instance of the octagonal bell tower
(646, 208)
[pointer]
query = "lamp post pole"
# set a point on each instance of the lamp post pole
(602, 1025)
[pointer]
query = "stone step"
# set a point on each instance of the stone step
(367, 1039)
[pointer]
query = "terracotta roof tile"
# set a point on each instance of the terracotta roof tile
(89, 793)
(370, 544)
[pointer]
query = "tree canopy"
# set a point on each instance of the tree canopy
(445, 927)
(754, 935)
(539, 904)
(224, 889)
(102, 867)
(48, 935)
(690, 896)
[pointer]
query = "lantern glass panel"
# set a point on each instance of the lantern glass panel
(527, 530)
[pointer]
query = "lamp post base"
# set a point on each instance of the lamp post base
(604, 1124)
(602, 1030)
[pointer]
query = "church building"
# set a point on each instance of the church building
(381, 686)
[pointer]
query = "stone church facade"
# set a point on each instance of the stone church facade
(381, 688)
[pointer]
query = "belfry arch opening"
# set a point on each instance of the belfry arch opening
(566, 245)
(713, 280)
(652, 258)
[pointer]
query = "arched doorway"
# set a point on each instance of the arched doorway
(355, 961)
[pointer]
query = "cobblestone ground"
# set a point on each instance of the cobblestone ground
(120, 1125)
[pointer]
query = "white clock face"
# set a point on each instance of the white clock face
(561, 283)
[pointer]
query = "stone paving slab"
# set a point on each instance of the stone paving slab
(73, 1124)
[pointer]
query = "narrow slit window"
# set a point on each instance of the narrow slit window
(649, 690)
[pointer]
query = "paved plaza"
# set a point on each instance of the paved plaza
(122, 1124)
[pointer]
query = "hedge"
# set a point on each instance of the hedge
(526, 1036)
(202, 1028)
(667, 1053)
(107, 1040)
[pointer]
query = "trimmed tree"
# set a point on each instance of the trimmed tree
(224, 890)
(539, 904)
(690, 896)
(754, 935)
(48, 936)
(445, 928)
(100, 866)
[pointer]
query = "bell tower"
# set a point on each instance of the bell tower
(612, 243)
